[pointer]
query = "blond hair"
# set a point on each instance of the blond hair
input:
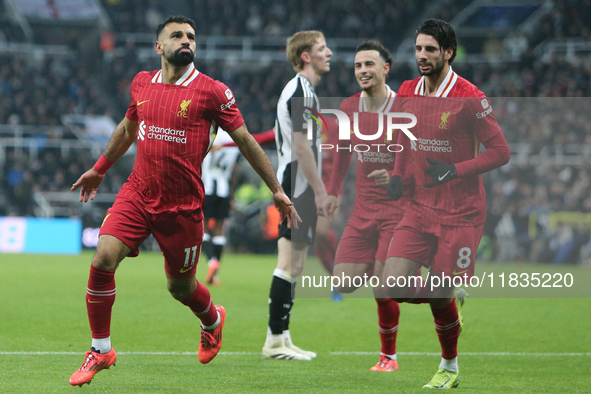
(299, 43)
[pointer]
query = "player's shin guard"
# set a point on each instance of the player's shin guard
(100, 297)
(200, 304)
(326, 250)
(279, 301)
(388, 315)
(447, 325)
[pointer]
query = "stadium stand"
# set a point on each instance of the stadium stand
(390, 19)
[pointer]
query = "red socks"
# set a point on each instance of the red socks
(447, 325)
(201, 305)
(325, 251)
(388, 315)
(100, 296)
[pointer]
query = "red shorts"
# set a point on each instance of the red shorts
(365, 240)
(179, 238)
(445, 249)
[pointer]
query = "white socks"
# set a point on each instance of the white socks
(274, 340)
(102, 345)
(286, 336)
(214, 325)
(449, 365)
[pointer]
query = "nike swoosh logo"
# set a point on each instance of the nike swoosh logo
(94, 302)
(442, 177)
(141, 102)
(183, 270)
(459, 272)
(443, 385)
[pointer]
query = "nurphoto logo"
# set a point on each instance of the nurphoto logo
(344, 123)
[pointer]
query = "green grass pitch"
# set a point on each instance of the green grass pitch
(507, 346)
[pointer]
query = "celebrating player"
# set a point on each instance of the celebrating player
(299, 175)
(173, 113)
(443, 225)
(365, 241)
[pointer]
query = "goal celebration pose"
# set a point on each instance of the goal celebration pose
(443, 224)
(174, 113)
(364, 243)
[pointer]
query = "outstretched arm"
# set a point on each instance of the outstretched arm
(121, 139)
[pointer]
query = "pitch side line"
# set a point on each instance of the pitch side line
(486, 354)
(493, 354)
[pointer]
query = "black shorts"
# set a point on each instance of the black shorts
(216, 207)
(306, 208)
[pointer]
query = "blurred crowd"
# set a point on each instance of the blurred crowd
(526, 217)
(526, 198)
(569, 18)
(379, 19)
(38, 90)
(51, 171)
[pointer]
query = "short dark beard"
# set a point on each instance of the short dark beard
(181, 59)
(367, 88)
(436, 69)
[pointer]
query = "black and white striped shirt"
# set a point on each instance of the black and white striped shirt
(292, 116)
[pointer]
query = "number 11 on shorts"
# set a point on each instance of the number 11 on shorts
(188, 255)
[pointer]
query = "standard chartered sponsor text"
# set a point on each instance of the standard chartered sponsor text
(167, 134)
(375, 157)
(434, 145)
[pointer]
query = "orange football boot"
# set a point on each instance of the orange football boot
(93, 363)
(211, 341)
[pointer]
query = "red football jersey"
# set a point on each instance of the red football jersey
(449, 129)
(371, 201)
(177, 124)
